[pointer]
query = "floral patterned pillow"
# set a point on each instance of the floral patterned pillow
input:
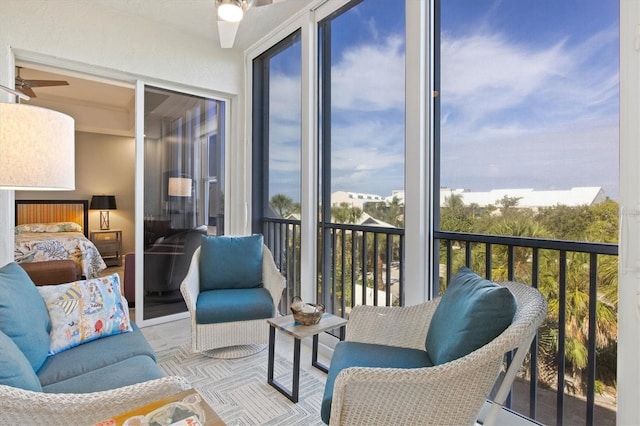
(48, 227)
(85, 310)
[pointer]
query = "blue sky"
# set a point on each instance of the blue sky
(529, 97)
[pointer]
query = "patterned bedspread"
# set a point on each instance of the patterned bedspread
(39, 246)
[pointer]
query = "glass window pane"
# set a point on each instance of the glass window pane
(364, 142)
(529, 114)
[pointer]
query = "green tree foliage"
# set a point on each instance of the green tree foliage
(389, 212)
(346, 213)
(283, 205)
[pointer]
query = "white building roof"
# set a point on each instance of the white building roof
(355, 199)
(530, 198)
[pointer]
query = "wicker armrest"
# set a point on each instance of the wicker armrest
(398, 395)
(18, 406)
(190, 287)
(392, 326)
(272, 279)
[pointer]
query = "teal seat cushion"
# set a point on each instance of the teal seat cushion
(231, 262)
(216, 306)
(23, 314)
(15, 369)
(354, 354)
(127, 372)
(94, 355)
(472, 312)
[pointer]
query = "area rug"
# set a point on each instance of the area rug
(237, 389)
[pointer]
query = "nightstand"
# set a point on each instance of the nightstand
(109, 244)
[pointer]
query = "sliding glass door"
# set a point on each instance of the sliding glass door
(183, 190)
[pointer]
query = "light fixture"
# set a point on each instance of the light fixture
(230, 10)
(37, 147)
(104, 203)
(179, 187)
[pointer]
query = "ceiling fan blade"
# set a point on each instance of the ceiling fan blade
(27, 91)
(46, 83)
(227, 33)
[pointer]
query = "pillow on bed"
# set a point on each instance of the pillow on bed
(85, 310)
(48, 227)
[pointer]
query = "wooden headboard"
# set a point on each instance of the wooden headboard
(48, 211)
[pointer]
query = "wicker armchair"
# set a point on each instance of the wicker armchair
(21, 407)
(452, 393)
(236, 338)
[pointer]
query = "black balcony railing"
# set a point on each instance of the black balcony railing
(365, 264)
(360, 265)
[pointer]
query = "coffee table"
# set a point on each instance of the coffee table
(189, 401)
(298, 331)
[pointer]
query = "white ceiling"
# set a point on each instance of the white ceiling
(197, 17)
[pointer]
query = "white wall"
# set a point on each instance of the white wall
(83, 36)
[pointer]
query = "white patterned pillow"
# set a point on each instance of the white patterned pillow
(48, 227)
(85, 310)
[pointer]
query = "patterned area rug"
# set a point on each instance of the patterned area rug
(237, 389)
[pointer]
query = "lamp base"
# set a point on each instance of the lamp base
(104, 220)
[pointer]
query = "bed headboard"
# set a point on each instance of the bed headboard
(47, 211)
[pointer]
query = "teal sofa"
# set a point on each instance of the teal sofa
(83, 384)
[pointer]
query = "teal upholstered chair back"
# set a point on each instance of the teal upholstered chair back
(233, 262)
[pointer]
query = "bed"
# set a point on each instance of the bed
(56, 230)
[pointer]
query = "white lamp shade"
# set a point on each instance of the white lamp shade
(37, 148)
(179, 187)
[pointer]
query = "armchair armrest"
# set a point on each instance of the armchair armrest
(397, 395)
(393, 326)
(190, 287)
(272, 279)
(18, 406)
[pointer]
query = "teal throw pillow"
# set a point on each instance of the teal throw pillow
(15, 369)
(231, 262)
(472, 312)
(23, 314)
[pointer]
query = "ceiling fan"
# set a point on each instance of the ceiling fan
(230, 13)
(26, 86)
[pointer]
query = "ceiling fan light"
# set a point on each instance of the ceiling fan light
(230, 10)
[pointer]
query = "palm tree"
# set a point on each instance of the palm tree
(282, 204)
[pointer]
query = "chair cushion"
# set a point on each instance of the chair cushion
(23, 314)
(216, 306)
(472, 312)
(355, 354)
(231, 262)
(15, 369)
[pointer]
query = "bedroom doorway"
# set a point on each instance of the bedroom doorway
(103, 112)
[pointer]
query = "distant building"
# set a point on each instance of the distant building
(354, 199)
(528, 197)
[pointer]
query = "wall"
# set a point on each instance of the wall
(86, 37)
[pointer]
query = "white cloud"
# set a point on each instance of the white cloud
(370, 77)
